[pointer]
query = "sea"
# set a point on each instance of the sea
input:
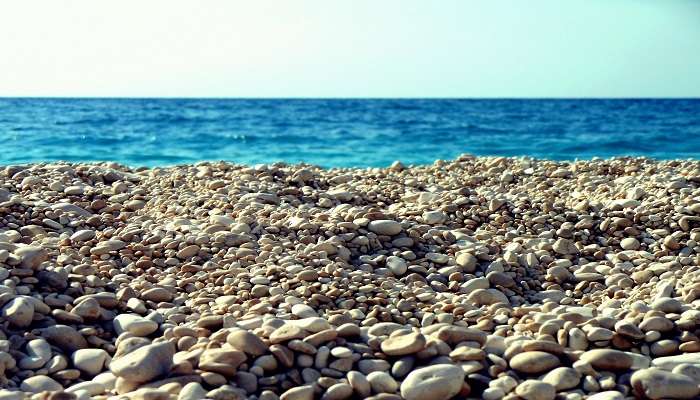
(342, 132)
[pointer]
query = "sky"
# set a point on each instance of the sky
(358, 48)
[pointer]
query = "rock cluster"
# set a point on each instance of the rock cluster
(491, 278)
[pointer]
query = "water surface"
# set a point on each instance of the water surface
(352, 132)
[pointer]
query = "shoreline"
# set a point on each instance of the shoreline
(481, 277)
(459, 158)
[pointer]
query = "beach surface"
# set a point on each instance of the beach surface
(482, 277)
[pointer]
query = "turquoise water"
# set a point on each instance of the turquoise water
(341, 132)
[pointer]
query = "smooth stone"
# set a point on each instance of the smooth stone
(187, 252)
(655, 383)
(359, 383)
(382, 382)
(607, 395)
(134, 324)
(19, 311)
(467, 261)
(157, 295)
(670, 362)
(247, 342)
(629, 243)
(90, 361)
(400, 345)
(607, 359)
(535, 390)
(285, 333)
(31, 256)
(145, 363)
(91, 388)
(299, 393)
(82, 235)
(65, 337)
(397, 265)
(385, 227)
(534, 362)
(660, 324)
(563, 378)
(303, 311)
(667, 305)
(339, 391)
(192, 391)
(40, 383)
(222, 361)
(38, 353)
(435, 382)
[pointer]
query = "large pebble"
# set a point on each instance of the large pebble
(436, 382)
(534, 362)
(655, 383)
(385, 227)
(144, 363)
(607, 359)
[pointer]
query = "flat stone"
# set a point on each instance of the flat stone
(303, 311)
(38, 353)
(157, 295)
(19, 311)
(534, 362)
(188, 251)
(299, 393)
(655, 383)
(221, 361)
(285, 333)
(134, 324)
(385, 227)
(670, 362)
(40, 383)
(31, 256)
(83, 235)
(435, 382)
(145, 363)
(607, 359)
(247, 342)
(535, 390)
(90, 361)
(64, 337)
(629, 243)
(399, 345)
(563, 378)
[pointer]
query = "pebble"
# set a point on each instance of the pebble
(134, 324)
(436, 382)
(90, 361)
(655, 383)
(385, 227)
(400, 345)
(145, 363)
(481, 277)
(607, 359)
(535, 390)
(534, 362)
(40, 383)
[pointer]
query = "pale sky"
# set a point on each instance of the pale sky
(350, 48)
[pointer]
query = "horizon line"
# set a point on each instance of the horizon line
(348, 98)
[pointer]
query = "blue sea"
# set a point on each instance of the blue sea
(342, 132)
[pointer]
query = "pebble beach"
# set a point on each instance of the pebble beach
(481, 277)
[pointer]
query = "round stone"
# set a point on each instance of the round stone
(534, 362)
(535, 390)
(607, 359)
(399, 345)
(629, 243)
(656, 383)
(435, 382)
(385, 227)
